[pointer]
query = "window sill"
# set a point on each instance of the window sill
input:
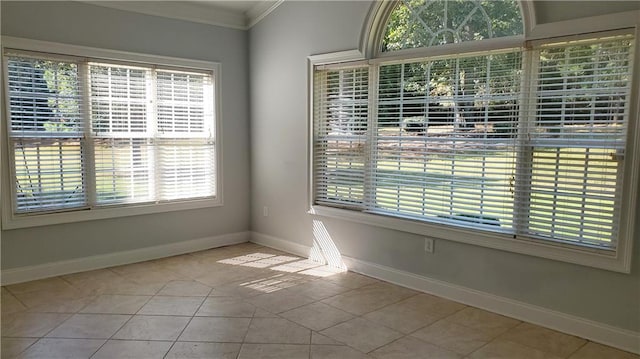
(601, 259)
(13, 221)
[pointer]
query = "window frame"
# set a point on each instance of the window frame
(11, 220)
(369, 53)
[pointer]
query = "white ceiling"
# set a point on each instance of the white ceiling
(238, 14)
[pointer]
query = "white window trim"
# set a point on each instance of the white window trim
(617, 261)
(10, 220)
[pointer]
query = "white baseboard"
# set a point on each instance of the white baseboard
(28, 273)
(280, 244)
(595, 331)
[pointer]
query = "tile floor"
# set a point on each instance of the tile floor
(248, 301)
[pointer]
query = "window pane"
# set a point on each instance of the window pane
(123, 170)
(445, 142)
(341, 108)
(424, 23)
(184, 103)
(49, 174)
(186, 169)
(44, 98)
(45, 128)
(579, 140)
(119, 99)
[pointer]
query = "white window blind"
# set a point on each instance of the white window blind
(578, 140)
(186, 144)
(122, 129)
(88, 133)
(445, 138)
(46, 133)
(341, 100)
(532, 149)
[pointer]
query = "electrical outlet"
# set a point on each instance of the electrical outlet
(428, 245)
(265, 211)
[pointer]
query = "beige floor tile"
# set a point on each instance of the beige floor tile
(226, 307)
(188, 266)
(324, 271)
(136, 268)
(61, 305)
(414, 313)
(296, 266)
(544, 339)
(169, 305)
(369, 298)
(47, 348)
(116, 304)
(65, 299)
(598, 351)
(336, 352)
(223, 274)
(127, 349)
(317, 316)
(209, 329)
(184, 350)
(362, 334)
(149, 327)
(14, 346)
(490, 323)
(242, 288)
(102, 281)
(274, 351)
(270, 261)
(245, 258)
(277, 330)
(408, 348)
(185, 288)
(350, 280)
(280, 301)
(503, 349)
(89, 326)
(95, 276)
(317, 338)
(159, 276)
(10, 304)
(48, 284)
(128, 287)
(319, 289)
(452, 336)
(30, 324)
(263, 284)
(263, 313)
(237, 292)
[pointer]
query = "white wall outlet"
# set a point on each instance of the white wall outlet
(265, 211)
(428, 245)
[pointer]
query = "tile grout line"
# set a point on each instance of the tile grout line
(189, 322)
(125, 323)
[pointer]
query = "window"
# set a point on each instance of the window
(521, 144)
(89, 133)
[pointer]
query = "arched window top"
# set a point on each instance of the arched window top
(426, 23)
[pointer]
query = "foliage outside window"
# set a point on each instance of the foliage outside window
(88, 134)
(424, 23)
(525, 143)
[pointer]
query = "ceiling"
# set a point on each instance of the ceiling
(238, 14)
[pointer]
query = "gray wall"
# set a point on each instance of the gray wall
(279, 45)
(89, 25)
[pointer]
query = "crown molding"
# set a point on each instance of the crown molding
(199, 12)
(260, 10)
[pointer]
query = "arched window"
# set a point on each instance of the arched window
(425, 23)
(458, 124)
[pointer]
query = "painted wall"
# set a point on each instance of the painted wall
(279, 45)
(89, 25)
